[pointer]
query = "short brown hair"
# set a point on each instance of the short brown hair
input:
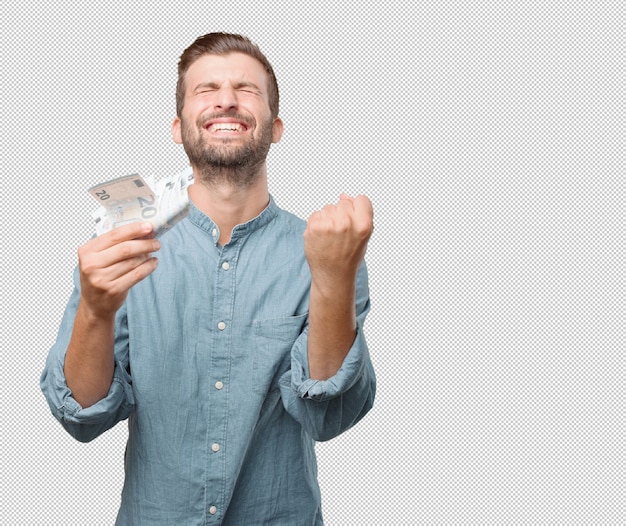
(223, 44)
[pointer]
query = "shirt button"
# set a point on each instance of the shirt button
(215, 448)
(225, 265)
(212, 510)
(214, 232)
(221, 325)
(218, 385)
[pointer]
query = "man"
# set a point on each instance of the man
(244, 345)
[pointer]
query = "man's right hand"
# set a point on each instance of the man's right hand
(111, 264)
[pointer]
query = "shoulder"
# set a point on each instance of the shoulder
(291, 221)
(287, 221)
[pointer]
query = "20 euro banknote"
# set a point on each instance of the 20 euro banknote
(131, 198)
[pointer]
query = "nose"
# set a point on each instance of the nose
(225, 98)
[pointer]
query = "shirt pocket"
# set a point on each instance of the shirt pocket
(274, 339)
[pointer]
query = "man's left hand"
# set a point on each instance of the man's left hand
(336, 237)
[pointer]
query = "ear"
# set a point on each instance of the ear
(277, 130)
(176, 131)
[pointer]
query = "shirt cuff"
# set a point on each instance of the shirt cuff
(120, 399)
(348, 374)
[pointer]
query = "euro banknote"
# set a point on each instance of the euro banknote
(131, 198)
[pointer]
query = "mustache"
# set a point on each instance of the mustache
(203, 119)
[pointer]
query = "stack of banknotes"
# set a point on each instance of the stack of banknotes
(134, 198)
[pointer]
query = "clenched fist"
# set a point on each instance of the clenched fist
(336, 237)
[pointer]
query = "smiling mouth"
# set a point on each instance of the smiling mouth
(225, 127)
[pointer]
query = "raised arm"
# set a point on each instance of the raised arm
(335, 242)
(109, 266)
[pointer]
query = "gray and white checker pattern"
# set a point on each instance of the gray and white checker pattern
(490, 137)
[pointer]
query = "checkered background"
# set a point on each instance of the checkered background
(490, 138)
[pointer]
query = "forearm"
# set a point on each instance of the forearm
(332, 326)
(327, 408)
(335, 241)
(89, 361)
(109, 265)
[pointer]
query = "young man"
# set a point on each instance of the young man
(244, 345)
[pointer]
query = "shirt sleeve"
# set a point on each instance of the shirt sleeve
(85, 424)
(327, 408)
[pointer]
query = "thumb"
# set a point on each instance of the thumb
(345, 197)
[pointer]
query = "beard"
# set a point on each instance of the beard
(226, 162)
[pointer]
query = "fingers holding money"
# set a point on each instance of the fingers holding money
(122, 243)
(112, 263)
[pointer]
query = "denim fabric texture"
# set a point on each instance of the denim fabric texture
(212, 375)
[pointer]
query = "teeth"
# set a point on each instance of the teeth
(227, 127)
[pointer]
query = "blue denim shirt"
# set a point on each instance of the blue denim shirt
(212, 374)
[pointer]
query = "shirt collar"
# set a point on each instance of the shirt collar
(204, 222)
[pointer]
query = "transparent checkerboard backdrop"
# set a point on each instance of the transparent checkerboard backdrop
(490, 140)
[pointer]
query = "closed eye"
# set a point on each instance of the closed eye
(245, 87)
(206, 87)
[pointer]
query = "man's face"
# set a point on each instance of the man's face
(226, 121)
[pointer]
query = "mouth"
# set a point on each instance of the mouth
(225, 126)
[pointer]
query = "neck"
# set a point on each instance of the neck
(230, 205)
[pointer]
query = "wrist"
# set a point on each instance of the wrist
(94, 317)
(334, 287)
